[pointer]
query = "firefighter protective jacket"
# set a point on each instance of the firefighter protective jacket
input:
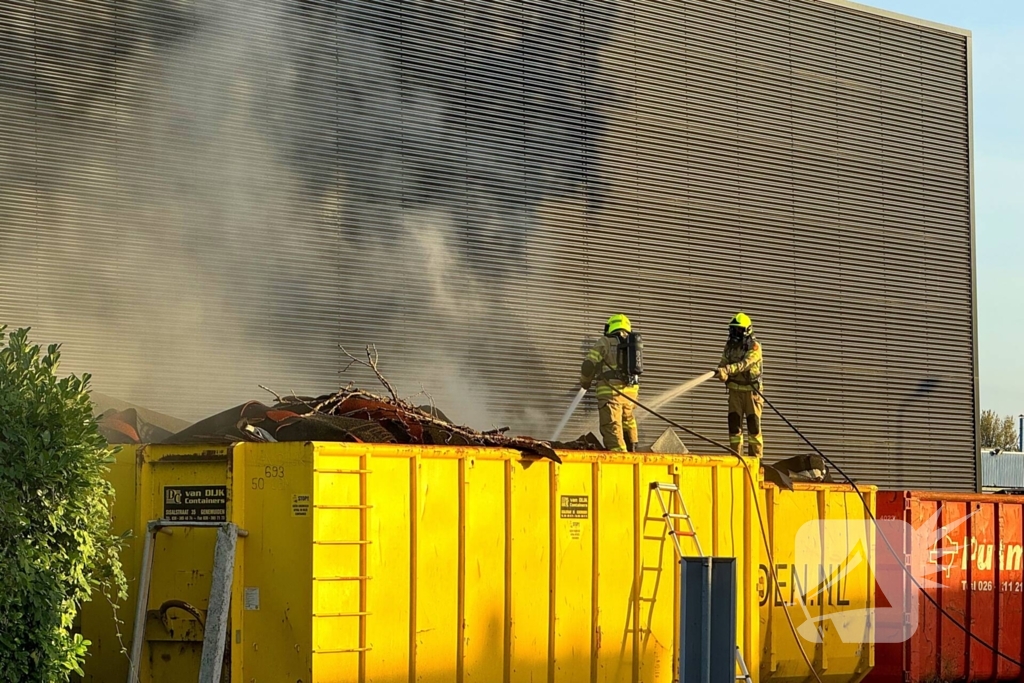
(742, 362)
(602, 363)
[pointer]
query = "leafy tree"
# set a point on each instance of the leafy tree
(56, 544)
(998, 431)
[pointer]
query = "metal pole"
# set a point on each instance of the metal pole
(220, 602)
(705, 655)
(142, 603)
(1020, 434)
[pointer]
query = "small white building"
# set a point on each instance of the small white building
(1002, 471)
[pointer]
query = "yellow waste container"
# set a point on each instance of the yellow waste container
(105, 660)
(822, 544)
(417, 563)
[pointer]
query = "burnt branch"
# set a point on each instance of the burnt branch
(372, 358)
(273, 393)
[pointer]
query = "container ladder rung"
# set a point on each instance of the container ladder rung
(342, 543)
(343, 471)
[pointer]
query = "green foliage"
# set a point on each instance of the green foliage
(56, 544)
(998, 431)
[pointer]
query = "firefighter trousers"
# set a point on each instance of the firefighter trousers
(746, 404)
(618, 426)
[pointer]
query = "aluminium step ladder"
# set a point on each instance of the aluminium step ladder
(215, 628)
(660, 488)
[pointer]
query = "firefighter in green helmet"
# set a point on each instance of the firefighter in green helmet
(740, 369)
(604, 364)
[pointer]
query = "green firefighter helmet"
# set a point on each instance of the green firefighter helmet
(741, 325)
(617, 322)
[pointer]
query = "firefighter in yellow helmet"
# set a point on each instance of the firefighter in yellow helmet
(740, 369)
(603, 364)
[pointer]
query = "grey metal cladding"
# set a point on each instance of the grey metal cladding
(201, 196)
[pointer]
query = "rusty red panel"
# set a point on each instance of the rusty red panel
(971, 564)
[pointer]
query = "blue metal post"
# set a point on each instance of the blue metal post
(695, 620)
(707, 629)
(723, 621)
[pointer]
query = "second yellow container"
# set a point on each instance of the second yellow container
(820, 596)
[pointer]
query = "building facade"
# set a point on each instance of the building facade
(200, 197)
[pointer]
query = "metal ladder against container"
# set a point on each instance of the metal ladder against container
(215, 630)
(668, 516)
(361, 576)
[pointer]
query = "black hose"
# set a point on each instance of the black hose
(899, 561)
(757, 507)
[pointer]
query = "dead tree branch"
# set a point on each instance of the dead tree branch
(272, 392)
(371, 362)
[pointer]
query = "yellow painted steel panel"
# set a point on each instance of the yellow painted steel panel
(182, 557)
(530, 572)
(615, 535)
(338, 548)
(437, 553)
(484, 636)
(271, 630)
(105, 661)
(823, 550)
(658, 613)
(574, 572)
(390, 585)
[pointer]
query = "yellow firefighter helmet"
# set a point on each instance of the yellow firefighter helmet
(617, 322)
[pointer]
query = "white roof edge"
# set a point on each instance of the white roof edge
(897, 16)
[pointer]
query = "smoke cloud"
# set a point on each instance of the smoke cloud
(222, 192)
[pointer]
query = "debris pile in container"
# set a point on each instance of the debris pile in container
(350, 415)
(128, 426)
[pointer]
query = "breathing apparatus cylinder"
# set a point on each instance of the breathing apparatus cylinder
(631, 357)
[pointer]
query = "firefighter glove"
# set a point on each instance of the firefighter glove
(721, 374)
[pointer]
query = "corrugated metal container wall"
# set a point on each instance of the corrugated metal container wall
(823, 548)
(106, 659)
(202, 196)
(425, 563)
(967, 551)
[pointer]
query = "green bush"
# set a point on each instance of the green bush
(55, 540)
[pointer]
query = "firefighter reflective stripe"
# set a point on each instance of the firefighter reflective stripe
(618, 425)
(595, 360)
(742, 361)
(748, 405)
(602, 361)
(607, 389)
(749, 361)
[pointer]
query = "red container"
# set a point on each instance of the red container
(972, 561)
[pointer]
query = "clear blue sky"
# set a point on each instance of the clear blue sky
(998, 32)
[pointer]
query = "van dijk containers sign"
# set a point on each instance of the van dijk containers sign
(967, 551)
